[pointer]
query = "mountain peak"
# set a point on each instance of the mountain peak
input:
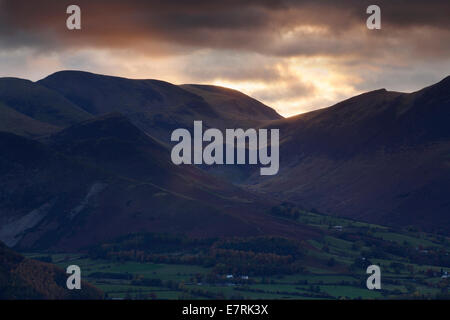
(71, 73)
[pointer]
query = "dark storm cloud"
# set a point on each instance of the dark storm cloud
(173, 27)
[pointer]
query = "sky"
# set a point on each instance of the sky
(294, 56)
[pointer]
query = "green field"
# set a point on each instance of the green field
(332, 267)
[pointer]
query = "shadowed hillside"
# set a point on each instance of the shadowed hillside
(104, 178)
(34, 101)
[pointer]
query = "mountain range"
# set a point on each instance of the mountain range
(88, 159)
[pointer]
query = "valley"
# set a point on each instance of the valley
(413, 264)
(87, 178)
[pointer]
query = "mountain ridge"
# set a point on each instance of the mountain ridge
(155, 106)
(381, 156)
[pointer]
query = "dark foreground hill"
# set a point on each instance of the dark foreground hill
(22, 278)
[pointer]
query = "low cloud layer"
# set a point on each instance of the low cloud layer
(293, 55)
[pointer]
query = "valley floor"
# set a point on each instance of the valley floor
(413, 265)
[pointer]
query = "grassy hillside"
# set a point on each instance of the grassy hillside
(39, 103)
(20, 124)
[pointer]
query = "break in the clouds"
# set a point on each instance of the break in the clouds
(295, 56)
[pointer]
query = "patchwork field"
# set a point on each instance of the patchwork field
(413, 265)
